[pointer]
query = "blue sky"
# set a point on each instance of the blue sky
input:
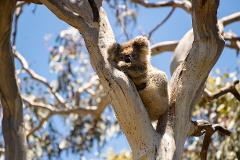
(33, 28)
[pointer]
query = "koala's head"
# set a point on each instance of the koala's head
(131, 55)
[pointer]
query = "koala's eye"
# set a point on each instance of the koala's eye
(127, 59)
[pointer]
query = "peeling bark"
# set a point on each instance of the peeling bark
(13, 129)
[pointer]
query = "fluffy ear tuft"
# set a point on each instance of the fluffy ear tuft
(141, 42)
(113, 50)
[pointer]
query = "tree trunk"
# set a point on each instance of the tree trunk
(185, 87)
(188, 80)
(13, 129)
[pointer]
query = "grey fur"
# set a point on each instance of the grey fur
(133, 58)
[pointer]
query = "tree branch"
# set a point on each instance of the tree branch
(230, 18)
(232, 38)
(233, 42)
(91, 110)
(228, 89)
(185, 44)
(163, 47)
(50, 108)
(204, 127)
(161, 23)
(38, 78)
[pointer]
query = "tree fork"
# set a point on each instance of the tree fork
(185, 86)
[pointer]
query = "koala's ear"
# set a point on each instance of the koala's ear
(141, 42)
(114, 49)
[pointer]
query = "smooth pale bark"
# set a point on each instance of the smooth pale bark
(13, 129)
(163, 47)
(188, 80)
(182, 50)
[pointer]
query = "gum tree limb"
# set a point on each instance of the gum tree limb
(13, 127)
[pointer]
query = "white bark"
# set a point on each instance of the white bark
(184, 88)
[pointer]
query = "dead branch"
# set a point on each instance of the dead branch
(227, 89)
(185, 5)
(204, 127)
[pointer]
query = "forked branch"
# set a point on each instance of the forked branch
(208, 129)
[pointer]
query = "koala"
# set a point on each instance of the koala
(133, 58)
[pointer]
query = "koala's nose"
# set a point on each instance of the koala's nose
(127, 59)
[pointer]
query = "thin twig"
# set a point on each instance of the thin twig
(161, 23)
